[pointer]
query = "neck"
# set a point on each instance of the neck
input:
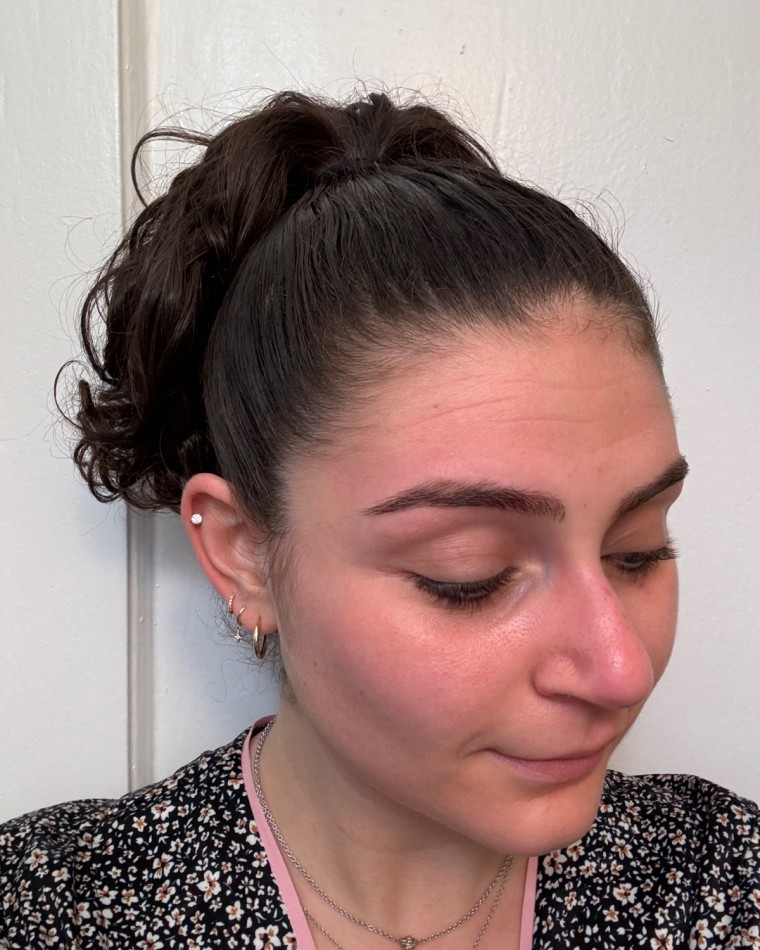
(374, 857)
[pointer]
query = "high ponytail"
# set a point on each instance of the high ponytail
(242, 304)
(143, 423)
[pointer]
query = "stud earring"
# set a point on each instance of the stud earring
(196, 518)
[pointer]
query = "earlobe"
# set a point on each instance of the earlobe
(226, 544)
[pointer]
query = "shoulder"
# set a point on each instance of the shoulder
(90, 826)
(678, 806)
(700, 830)
(669, 857)
(84, 872)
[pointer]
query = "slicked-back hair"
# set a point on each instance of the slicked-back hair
(310, 244)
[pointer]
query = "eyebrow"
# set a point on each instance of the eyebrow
(673, 474)
(445, 493)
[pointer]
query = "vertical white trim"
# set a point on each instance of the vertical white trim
(140, 678)
(134, 45)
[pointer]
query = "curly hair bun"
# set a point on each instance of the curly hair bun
(142, 421)
(246, 305)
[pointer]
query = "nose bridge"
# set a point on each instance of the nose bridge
(599, 655)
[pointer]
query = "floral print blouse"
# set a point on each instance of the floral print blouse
(671, 862)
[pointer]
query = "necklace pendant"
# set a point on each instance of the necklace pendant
(407, 943)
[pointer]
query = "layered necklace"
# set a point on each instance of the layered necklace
(406, 943)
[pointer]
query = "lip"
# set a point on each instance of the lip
(561, 769)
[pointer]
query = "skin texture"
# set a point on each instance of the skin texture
(387, 767)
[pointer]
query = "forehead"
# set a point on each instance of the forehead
(539, 410)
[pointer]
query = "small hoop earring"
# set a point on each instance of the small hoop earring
(260, 641)
(229, 602)
(238, 633)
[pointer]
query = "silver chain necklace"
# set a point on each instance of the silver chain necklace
(406, 943)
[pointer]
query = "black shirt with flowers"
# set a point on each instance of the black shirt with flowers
(671, 862)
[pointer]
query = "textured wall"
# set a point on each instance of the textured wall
(649, 110)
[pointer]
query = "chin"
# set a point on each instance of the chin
(546, 818)
(562, 817)
(560, 833)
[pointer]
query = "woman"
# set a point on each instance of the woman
(413, 415)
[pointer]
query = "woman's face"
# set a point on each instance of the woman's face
(481, 595)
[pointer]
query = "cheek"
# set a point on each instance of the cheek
(368, 659)
(657, 614)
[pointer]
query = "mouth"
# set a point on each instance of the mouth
(561, 769)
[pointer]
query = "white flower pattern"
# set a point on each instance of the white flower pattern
(671, 862)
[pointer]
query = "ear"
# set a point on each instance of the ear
(228, 548)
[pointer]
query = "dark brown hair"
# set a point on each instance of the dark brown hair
(247, 305)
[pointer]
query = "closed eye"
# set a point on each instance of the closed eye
(632, 565)
(635, 565)
(463, 593)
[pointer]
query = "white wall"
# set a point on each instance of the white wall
(63, 725)
(651, 108)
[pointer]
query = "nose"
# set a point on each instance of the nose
(592, 651)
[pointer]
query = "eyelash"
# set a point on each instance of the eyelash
(642, 563)
(466, 593)
(476, 593)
